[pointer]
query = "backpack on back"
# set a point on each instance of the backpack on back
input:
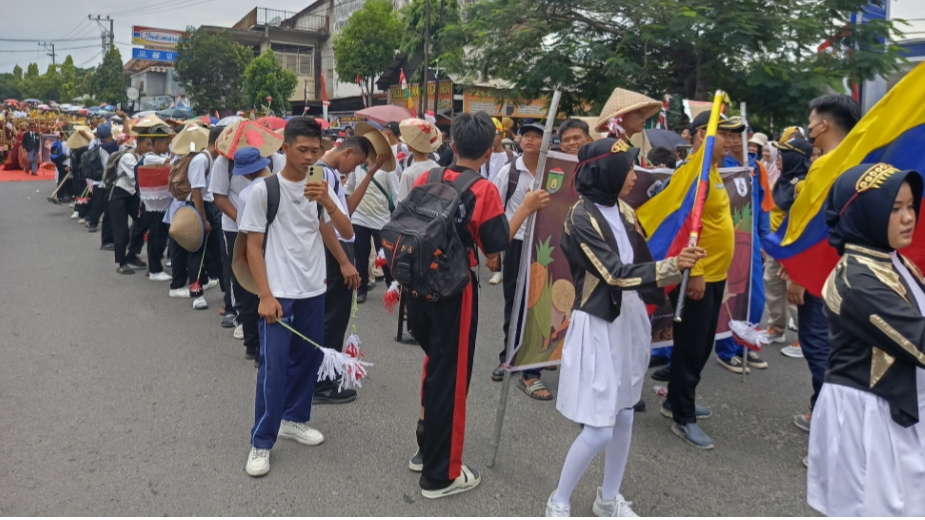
(111, 173)
(422, 246)
(56, 155)
(76, 156)
(178, 183)
(91, 164)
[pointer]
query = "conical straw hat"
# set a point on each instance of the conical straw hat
(187, 229)
(420, 135)
(78, 139)
(379, 142)
(242, 271)
(623, 102)
(244, 133)
(193, 138)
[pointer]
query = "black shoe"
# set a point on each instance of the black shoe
(136, 262)
(361, 298)
(661, 374)
(93, 229)
(640, 406)
(108, 247)
(228, 321)
(333, 396)
(250, 354)
(497, 374)
(125, 269)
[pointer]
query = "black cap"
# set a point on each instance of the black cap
(733, 124)
(393, 127)
(796, 144)
(703, 119)
(536, 127)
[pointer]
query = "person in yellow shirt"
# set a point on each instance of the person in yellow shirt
(694, 336)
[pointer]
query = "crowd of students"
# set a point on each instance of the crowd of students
(306, 245)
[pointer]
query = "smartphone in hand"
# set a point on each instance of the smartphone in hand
(315, 174)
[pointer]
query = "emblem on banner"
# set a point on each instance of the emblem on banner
(554, 180)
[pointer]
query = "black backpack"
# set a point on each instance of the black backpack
(111, 172)
(422, 246)
(91, 164)
(76, 156)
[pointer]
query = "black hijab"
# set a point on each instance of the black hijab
(859, 205)
(602, 169)
(795, 155)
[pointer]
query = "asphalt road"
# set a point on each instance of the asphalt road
(117, 400)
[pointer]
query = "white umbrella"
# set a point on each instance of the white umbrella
(229, 120)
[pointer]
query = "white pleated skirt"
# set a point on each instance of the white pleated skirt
(861, 463)
(604, 363)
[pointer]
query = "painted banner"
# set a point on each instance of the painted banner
(150, 37)
(550, 290)
(444, 100)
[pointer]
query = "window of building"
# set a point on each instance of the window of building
(297, 58)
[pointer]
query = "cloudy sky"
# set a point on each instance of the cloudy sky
(65, 23)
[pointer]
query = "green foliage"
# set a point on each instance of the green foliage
(448, 50)
(210, 67)
(763, 53)
(17, 72)
(108, 82)
(265, 77)
(367, 43)
(9, 86)
(31, 84)
(68, 80)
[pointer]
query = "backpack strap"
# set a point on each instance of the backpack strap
(465, 180)
(513, 177)
(273, 195)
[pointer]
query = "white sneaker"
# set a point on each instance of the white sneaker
(74, 215)
(616, 507)
(71, 205)
(182, 292)
(258, 463)
(792, 325)
(238, 332)
(554, 509)
(496, 279)
(81, 221)
(210, 284)
(200, 303)
(300, 432)
(159, 277)
(467, 481)
(169, 264)
(793, 351)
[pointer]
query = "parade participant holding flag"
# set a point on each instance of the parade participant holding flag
(606, 350)
(694, 204)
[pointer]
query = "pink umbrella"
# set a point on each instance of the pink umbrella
(11, 101)
(324, 124)
(272, 122)
(383, 114)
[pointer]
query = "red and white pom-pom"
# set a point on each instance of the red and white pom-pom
(391, 298)
(348, 370)
(380, 259)
(749, 335)
(352, 346)
(80, 201)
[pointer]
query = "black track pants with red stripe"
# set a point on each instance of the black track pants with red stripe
(446, 331)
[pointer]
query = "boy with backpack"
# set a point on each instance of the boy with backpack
(60, 158)
(288, 221)
(443, 313)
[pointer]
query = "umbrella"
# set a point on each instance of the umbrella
(83, 111)
(324, 124)
(272, 122)
(383, 114)
(207, 119)
(664, 138)
(193, 138)
(11, 101)
(94, 109)
(175, 113)
(52, 102)
(247, 133)
(228, 121)
(43, 107)
(102, 105)
(65, 106)
(109, 108)
(32, 100)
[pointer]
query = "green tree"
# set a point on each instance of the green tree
(51, 84)
(68, 80)
(264, 78)
(17, 72)
(210, 67)
(108, 80)
(762, 53)
(367, 43)
(9, 86)
(449, 52)
(31, 85)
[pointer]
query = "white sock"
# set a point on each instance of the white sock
(590, 441)
(618, 451)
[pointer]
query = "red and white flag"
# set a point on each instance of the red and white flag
(324, 92)
(663, 115)
(362, 90)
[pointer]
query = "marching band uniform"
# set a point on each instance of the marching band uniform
(867, 442)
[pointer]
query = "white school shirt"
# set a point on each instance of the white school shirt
(524, 183)
(493, 165)
(410, 175)
(373, 210)
(220, 184)
(198, 175)
(296, 266)
(126, 178)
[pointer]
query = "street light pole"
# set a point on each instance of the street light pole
(426, 57)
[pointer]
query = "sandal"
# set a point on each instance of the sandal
(534, 387)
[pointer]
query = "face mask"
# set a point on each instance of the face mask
(809, 136)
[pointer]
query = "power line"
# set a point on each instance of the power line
(186, 5)
(60, 49)
(91, 59)
(31, 40)
(74, 29)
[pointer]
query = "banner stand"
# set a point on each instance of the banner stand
(521, 281)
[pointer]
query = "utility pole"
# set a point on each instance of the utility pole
(426, 58)
(52, 53)
(438, 49)
(99, 20)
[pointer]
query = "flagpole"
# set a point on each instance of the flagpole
(513, 328)
(700, 196)
(755, 210)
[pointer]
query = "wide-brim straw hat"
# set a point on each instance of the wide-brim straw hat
(77, 139)
(191, 139)
(623, 102)
(239, 266)
(591, 121)
(379, 142)
(144, 125)
(244, 133)
(420, 135)
(187, 228)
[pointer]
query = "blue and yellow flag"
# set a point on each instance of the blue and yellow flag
(892, 132)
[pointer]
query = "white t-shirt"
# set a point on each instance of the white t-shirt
(332, 176)
(220, 184)
(126, 178)
(410, 175)
(493, 166)
(295, 259)
(524, 184)
(396, 149)
(373, 210)
(198, 175)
